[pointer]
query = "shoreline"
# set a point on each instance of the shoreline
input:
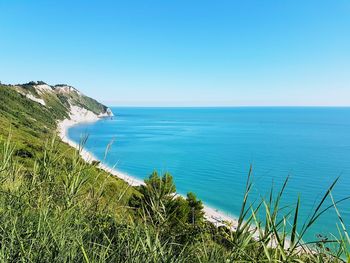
(213, 215)
(87, 156)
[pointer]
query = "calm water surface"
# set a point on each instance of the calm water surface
(209, 151)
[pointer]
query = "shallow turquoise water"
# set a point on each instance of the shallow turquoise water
(209, 151)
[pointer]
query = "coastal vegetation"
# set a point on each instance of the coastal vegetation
(55, 207)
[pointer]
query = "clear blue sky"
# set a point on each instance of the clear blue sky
(183, 52)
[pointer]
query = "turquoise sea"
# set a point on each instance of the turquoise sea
(209, 150)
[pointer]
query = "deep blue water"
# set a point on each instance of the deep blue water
(209, 151)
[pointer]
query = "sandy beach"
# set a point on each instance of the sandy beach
(213, 215)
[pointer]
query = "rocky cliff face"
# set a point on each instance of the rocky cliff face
(66, 101)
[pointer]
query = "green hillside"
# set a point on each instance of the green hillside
(30, 122)
(31, 127)
(54, 207)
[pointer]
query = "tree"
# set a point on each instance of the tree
(196, 213)
(162, 186)
(156, 202)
